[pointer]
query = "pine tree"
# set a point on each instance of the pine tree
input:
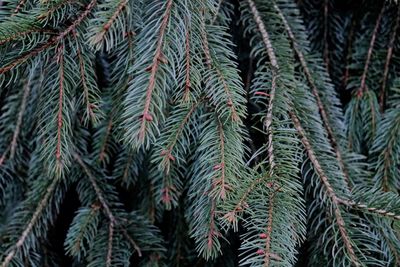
(199, 133)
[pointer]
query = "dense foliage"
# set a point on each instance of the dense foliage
(199, 133)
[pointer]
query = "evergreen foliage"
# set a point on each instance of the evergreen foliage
(199, 133)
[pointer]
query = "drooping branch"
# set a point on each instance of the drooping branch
(112, 219)
(275, 67)
(326, 30)
(32, 222)
(314, 89)
(388, 60)
(153, 68)
(210, 64)
(110, 244)
(328, 187)
(361, 206)
(363, 86)
(53, 41)
(96, 188)
(187, 62)
(27, 89)
(168, 152)
(60, 60)
(100, 36)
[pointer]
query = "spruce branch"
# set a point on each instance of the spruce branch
(53, 41)
(153, 68)
(275, 68)
(44, 202)
(187, 62)
(389, 55)
(326, 23)
(97, 189)
(315, 91)
(373, 210)
(328, 187)
(27, 88)
(113, 222)
(99, 37)
(363, 88)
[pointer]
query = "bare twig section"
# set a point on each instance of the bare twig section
(27, 89)
(314, 89)
(35, 217)
(388, 59)
(275, 67)
(100, 36)
(52, 41)
(153, 68)
(363, 88)
(361, 206)
(329, 189)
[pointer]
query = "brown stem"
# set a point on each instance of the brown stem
(21, 3)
